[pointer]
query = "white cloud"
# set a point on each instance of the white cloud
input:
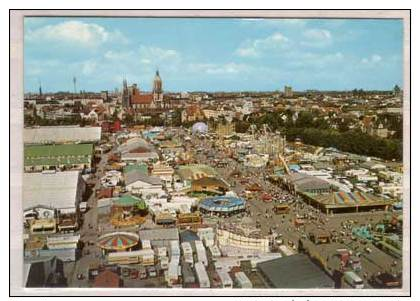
(247, 52)
(274, 23)
(89, 67)
(376, 58)
(37, 67)
(229, 68)
(158, 54)
(74, 32)
(256, 47)
(145, 55)
(317, 34)
(373, 59)
(295, 22)
(316, 37)
(317, 60)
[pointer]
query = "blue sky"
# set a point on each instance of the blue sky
(212, 54)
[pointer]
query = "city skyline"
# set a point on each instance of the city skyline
(212, 54)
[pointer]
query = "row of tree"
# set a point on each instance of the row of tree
(30, 120)
(350, 141)
(317, 131)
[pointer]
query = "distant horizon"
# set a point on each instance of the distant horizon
(215, 91)
(212, 55)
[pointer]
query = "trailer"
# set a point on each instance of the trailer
(201, 253)
(146, 244)
(174, 249)
(215, 252)
(164, 262)
(225, 279)
(186, 248)
(202, 276)
(144, 257)
(242, 280)
(161, 252)
(172, 275)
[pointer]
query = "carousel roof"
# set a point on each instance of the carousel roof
(118, 241)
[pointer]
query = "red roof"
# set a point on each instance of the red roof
(194, 109)
(105, 193)
(107, 279)
(139, 150)
(142, 99)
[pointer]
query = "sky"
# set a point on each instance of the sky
(212, 54)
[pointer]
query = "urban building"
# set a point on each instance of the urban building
(288, 92)
(61, 135)
(293, 272)
(62, 191)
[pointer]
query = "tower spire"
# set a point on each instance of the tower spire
(40, 88)
(74, 84)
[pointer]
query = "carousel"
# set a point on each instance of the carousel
(117, 241)
(128, 211)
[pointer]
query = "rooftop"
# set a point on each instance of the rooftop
(159, 234)
(137, 175)
(132, 144)
(348, 199)
(305, 182)
(195, 171)
(129, 200)
(136, 167)
(56, 190)
(141, 99)
(296, 271)
(107, 279)
(206, 181)
(56, 154)
(61, 134)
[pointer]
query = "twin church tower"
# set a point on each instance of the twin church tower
(133, 98)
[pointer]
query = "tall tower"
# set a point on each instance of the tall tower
(157, 90)
(125, 95)
(288, 92)
(40, 89)
(74, 84)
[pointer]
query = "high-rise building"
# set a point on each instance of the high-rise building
(288, 92)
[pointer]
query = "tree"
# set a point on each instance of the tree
(305, 119)
(343, 126)
(397, 90)
(129, 119)
(241, 126)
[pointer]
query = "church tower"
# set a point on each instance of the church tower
(157, 90)
(125, 95)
